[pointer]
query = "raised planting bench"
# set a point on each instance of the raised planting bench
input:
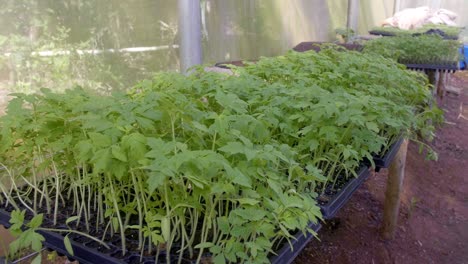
(449, 66)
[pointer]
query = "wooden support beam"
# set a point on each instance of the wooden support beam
(396, 174)
(433, 77)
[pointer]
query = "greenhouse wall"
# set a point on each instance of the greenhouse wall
(231, 30)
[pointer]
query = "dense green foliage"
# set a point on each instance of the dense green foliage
(423, 49)
(445, 30)
(213, 162)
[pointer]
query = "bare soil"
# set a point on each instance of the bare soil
(433, 220)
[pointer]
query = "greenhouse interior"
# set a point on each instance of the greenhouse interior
(247, 131)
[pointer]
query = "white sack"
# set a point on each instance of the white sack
(412, 18)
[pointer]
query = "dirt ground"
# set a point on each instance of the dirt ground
(433, 220)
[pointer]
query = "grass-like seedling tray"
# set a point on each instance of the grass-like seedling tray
(338, 200)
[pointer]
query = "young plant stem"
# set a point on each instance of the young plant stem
(139, 208)
(57, 191)
(117, 212)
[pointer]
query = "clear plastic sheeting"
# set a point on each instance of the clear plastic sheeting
(412, 18)
(107, 47)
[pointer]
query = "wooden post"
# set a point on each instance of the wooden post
(396, 174)
(433, 77)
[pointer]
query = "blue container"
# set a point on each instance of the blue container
(464, 60)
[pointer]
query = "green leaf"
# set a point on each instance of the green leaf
(251, 214)
(223, 224)
(68, 245)
(238, 177)
(34, 239)
(37, 259)
(166, 228)
(204, 245)
(233, 148)
(83, 150)
(36, 221)
(135, 146)
(155, 180)
(14, 247)
(118, 153)
(219, 259)
(372, 126)
(102, 160)
(248, 201)
(71, 219)
(100, 140)
(17, 221)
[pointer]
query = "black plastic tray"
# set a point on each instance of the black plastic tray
(435, 67)
(386, 160)
(54, 241)
(330, 209)
(285, 255)
(390, 34)
(87, 255)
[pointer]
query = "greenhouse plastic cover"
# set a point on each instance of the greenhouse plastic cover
(411, 18)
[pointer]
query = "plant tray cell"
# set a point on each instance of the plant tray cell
(449, 67)
(330, 209)
(88, 255)
(386, 160)
(286, 255)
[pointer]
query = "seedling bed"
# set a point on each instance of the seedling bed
(333, 199)
(385, 160)
(87, 251)
(433, 31)
(449, 66)
(306, 46)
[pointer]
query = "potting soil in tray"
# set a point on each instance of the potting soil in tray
(89, 251)
(336, 196)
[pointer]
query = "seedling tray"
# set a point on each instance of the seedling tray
(435, 67)
(314, 45)
(330, 209)
(285, 255)
(386, 160)
(88, 255)
(54, 241)
(391, 34)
